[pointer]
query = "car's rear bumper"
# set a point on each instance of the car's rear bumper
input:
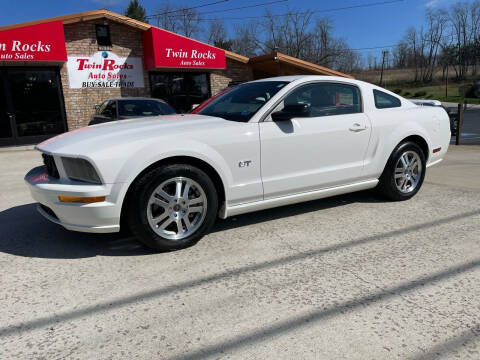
(98, 217)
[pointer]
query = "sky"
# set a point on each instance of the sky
(367, 27)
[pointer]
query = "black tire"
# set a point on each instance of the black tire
(387, 186)
(143, 188)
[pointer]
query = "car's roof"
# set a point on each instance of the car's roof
(135, 98)
(292, 78)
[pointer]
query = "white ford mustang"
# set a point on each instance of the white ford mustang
(262, 144)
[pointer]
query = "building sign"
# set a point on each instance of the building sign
(104, 70)
(41, 42)
(164, 49)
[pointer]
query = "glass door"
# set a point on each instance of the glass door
(181, 90)
(6, 133)
(33, 104)
(37, 103)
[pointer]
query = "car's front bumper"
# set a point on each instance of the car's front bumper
(98, 217)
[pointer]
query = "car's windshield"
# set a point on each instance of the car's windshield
(140, 107)
(243, 101)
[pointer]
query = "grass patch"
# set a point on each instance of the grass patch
(435, 92)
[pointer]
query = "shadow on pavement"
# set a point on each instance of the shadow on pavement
(368, 196)
(24, 232)
(451, 346)
(306, 319)
(280, 327)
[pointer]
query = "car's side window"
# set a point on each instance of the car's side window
(110, 110)
(385, 101)
(102, 107)
(326, 99)
(143, 108)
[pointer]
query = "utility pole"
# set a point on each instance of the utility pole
(446, 85)
(459, 124)
(384, 55)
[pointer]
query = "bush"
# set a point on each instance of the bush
(397, 91)
(406, 94)
(420, 93)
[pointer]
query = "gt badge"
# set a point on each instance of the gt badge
(245, 163)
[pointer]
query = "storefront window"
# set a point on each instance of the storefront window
(180, 90)
(5, 128)
(30, 105)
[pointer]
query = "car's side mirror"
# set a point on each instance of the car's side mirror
(291, 111)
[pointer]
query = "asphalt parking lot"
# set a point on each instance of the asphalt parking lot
(350, 277)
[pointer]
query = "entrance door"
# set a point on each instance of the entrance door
(180, 90)
(31, 100)
(6, 133)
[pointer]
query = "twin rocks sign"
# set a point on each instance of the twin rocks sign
(41, 42)
(163, 49)
(104, 69)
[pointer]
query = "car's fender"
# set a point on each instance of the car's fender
(386, 136)
(143, 158)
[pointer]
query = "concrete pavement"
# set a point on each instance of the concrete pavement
(350, 277)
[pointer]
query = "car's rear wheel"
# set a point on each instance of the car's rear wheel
(172, 207)
(404, 173)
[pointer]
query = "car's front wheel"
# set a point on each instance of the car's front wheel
(404, 173)
(172, 207)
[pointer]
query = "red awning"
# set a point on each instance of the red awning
(41, 42)
(163, 49)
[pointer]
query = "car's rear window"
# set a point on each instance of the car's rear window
(143, 108)
(385, 101)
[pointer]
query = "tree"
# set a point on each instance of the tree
(136, 11)
(217, 36)
(289, 33)
(246, 40)
(400, 55)
(178, 18)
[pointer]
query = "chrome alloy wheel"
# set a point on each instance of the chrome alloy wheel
(408, 172)
(177, 208)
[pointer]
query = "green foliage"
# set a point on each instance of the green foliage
(406, 94)
(420, 93)
(397, 91)
(136, 11)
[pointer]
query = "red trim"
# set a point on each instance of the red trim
(163, 49)
(437, 150)
(41, 42)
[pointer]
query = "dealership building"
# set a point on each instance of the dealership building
(54, 71)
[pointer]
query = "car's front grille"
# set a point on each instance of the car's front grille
(49, 162)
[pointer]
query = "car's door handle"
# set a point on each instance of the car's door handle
(357, 127)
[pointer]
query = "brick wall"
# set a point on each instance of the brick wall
(236, 71)
(127, 41)
(81, 41)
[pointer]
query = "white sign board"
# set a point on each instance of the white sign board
(104, 70)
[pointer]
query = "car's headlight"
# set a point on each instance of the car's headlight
(80, 169)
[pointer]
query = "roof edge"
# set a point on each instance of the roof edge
(104, 13)
(298, 63)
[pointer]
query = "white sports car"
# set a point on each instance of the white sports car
(262, 144)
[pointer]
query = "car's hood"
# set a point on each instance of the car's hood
(112, 134)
